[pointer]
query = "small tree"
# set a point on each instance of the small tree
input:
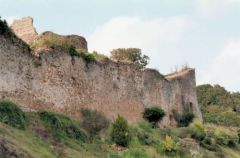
(133, 55)
(93, 121)
(153, 115)
(120, 133)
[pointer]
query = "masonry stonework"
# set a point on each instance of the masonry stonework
(58, 82)
(24, 29)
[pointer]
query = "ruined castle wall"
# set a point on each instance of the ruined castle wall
(56, 81)
(24, 29)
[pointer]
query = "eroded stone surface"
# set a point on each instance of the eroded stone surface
(78, 42)
(56, 81)
(24, 29)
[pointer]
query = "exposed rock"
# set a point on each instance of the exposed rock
(192, 146)
(24, 29)
(9, 150)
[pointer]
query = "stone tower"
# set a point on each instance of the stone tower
(24, 29)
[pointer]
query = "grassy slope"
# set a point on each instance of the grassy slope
(27, 141)
(32, 142)
(231, 153)
(39, 145)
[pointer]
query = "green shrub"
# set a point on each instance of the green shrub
(183, 119)
(12, 115)
(4, 29)
(224, 136)
(197, 130)
(72, 51)
(100, 57)
(144, 133)
(62, 126)
(120, 133)
(153, 115)
(93, 121)
(145, 138)
(209, 143)
(87, 56)
(146, 126)
(136, 153)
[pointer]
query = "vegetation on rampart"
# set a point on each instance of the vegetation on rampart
(131, 55)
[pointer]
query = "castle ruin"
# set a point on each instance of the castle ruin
(59, 82)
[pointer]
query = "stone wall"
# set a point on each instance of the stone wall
(24, 29)
(78, 42)
(58, 82)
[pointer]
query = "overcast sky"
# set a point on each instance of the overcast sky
(205, 34)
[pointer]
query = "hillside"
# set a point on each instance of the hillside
(218, 105)
(53, 135)
(60, 101)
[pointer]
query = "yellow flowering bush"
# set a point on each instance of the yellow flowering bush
(169, 145)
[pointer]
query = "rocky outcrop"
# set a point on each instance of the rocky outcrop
(9, 150)
(192, 147)
(59, 82)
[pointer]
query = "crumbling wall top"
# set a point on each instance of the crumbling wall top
(24, 29)
(179, 73)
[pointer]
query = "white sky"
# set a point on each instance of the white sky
(203, 33)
